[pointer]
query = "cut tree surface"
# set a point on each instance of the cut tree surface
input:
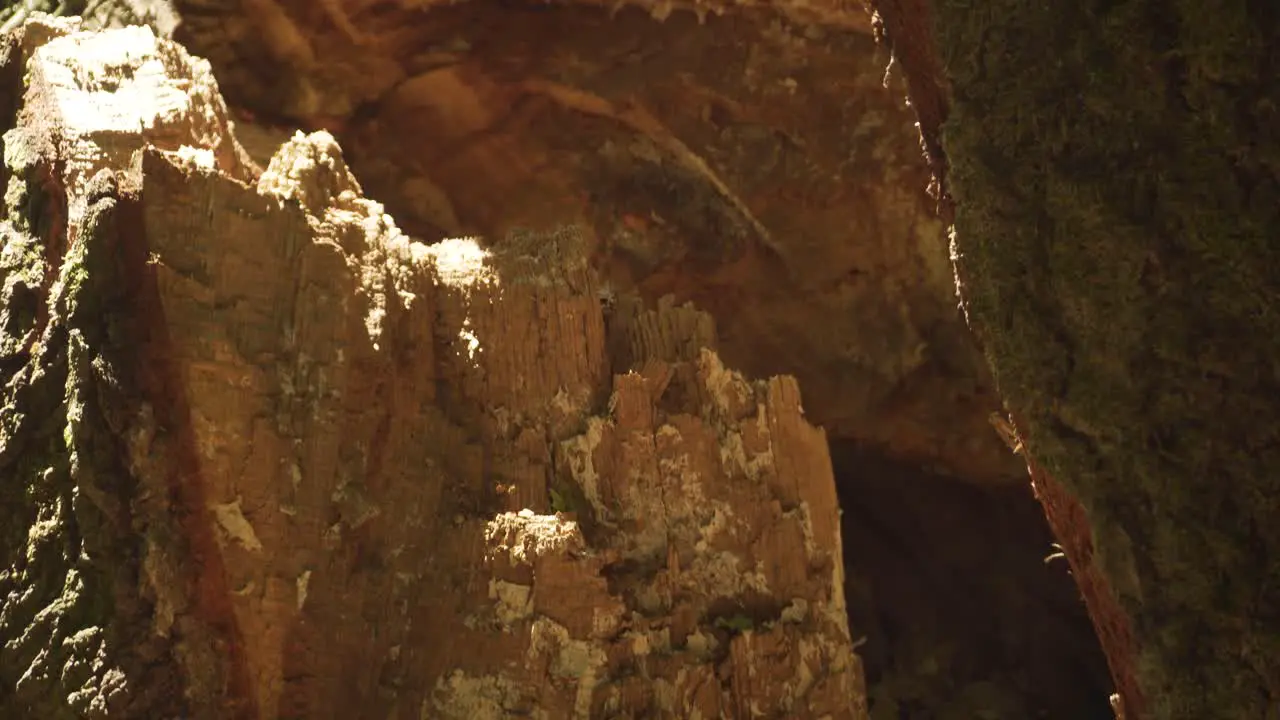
(263, 455)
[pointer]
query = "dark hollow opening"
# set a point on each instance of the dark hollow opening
(962, 615)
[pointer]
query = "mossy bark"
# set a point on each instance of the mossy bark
(76, 637)
(76, 627)
(1114, 169)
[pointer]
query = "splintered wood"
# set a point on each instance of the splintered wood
(347, 444)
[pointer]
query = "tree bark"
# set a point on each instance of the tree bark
(1112, 173)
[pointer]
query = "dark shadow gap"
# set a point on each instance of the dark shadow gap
(962, 615)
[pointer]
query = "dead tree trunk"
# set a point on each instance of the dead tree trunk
(263, 456)
(1113, 170)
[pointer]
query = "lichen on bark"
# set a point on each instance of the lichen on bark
(1114, 169)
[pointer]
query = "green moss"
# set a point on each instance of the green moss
(1115, 167)
(735, 624)
(68, 548)
(559, 504)
(567, 497)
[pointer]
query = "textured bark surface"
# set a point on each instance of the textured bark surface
(265, 456)
(104, 612)
(1113, 170)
